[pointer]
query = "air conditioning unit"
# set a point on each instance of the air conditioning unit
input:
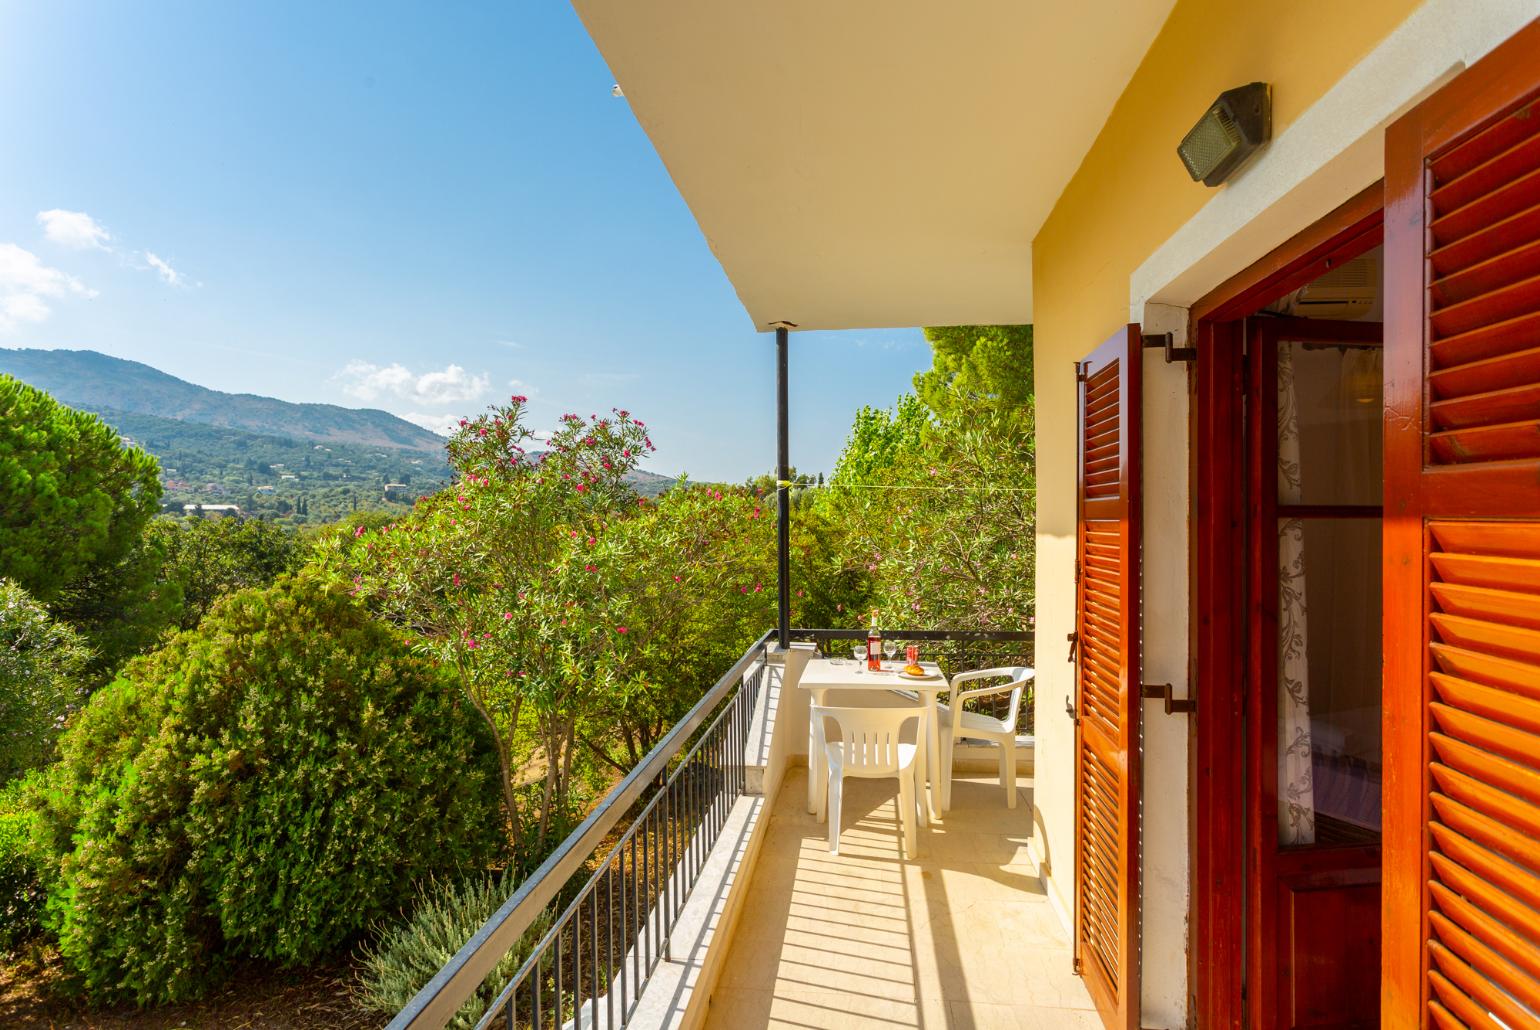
(1347, 291)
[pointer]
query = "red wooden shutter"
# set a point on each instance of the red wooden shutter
(1462, 550)
(1107, 680)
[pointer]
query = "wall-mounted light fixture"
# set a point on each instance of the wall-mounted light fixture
(1233, 127)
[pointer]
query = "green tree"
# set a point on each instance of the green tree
(124, 607)
(936, 497)
(973, 365)
(581, 618)
(205, 559)
(72, 497)
(264, 786)
(881, 440)
(42, 665)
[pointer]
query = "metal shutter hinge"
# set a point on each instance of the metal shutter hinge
(1162, 692)
(1168, 342)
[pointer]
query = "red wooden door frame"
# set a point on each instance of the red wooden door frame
(1219, 600)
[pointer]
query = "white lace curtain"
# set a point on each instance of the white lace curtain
(1358, 372)
(1296, 778)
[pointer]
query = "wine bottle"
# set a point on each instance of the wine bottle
(874, 646)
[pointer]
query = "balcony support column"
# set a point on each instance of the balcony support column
(782, 490)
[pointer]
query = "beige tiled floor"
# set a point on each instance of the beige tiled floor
(961, 938)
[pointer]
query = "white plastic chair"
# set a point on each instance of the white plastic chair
(955, 723)
(869, 746)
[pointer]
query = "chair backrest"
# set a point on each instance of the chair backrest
(1017, 675)
(868, 737)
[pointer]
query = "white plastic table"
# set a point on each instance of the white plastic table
(822, 676)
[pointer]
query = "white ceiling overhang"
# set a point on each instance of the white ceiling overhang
(869, 163)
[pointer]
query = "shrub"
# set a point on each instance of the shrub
(41, 662)
(21, 896)
(264, 786)
(447, 913)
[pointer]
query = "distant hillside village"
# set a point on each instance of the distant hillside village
(216, 472)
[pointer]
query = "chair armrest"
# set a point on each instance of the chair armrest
(1012, 678)
(1001, 688)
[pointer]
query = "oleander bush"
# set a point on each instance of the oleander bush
(265, 786)
(448, 912)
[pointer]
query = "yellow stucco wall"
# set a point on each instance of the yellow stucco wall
(1129, 195)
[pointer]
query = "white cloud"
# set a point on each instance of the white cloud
(79, 231)
(443, 425)
(74, 229)
(168, 275)
(26, 286)
(367, 381)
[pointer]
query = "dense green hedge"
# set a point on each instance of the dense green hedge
(42, 668)
(20, 895)
(264, 786)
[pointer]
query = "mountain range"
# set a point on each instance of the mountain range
(274, 459)
(98, 382)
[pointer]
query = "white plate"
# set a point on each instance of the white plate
(926, 676)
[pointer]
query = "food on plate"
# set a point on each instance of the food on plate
(913, 669)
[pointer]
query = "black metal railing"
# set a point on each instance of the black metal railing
(590, 967)
(956, 651)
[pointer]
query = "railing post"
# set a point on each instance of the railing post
(782, 491)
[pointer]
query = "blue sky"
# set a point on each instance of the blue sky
(418, 207)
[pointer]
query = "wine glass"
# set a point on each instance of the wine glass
(890, 648)
(858, 652)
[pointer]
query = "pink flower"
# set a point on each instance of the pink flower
(457, 579)
(626, 453)
(507, 616)
(678, 579)
(799, 593)
(358, 532)
(591, 541)
(590, 568)
(582, 488)
(621, 629)
(463, 422)
(519, 398)
(471, 643)
(758, 587)
(743, 590)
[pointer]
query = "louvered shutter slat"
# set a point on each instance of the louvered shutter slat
(1462, 550)
(1106, 767)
